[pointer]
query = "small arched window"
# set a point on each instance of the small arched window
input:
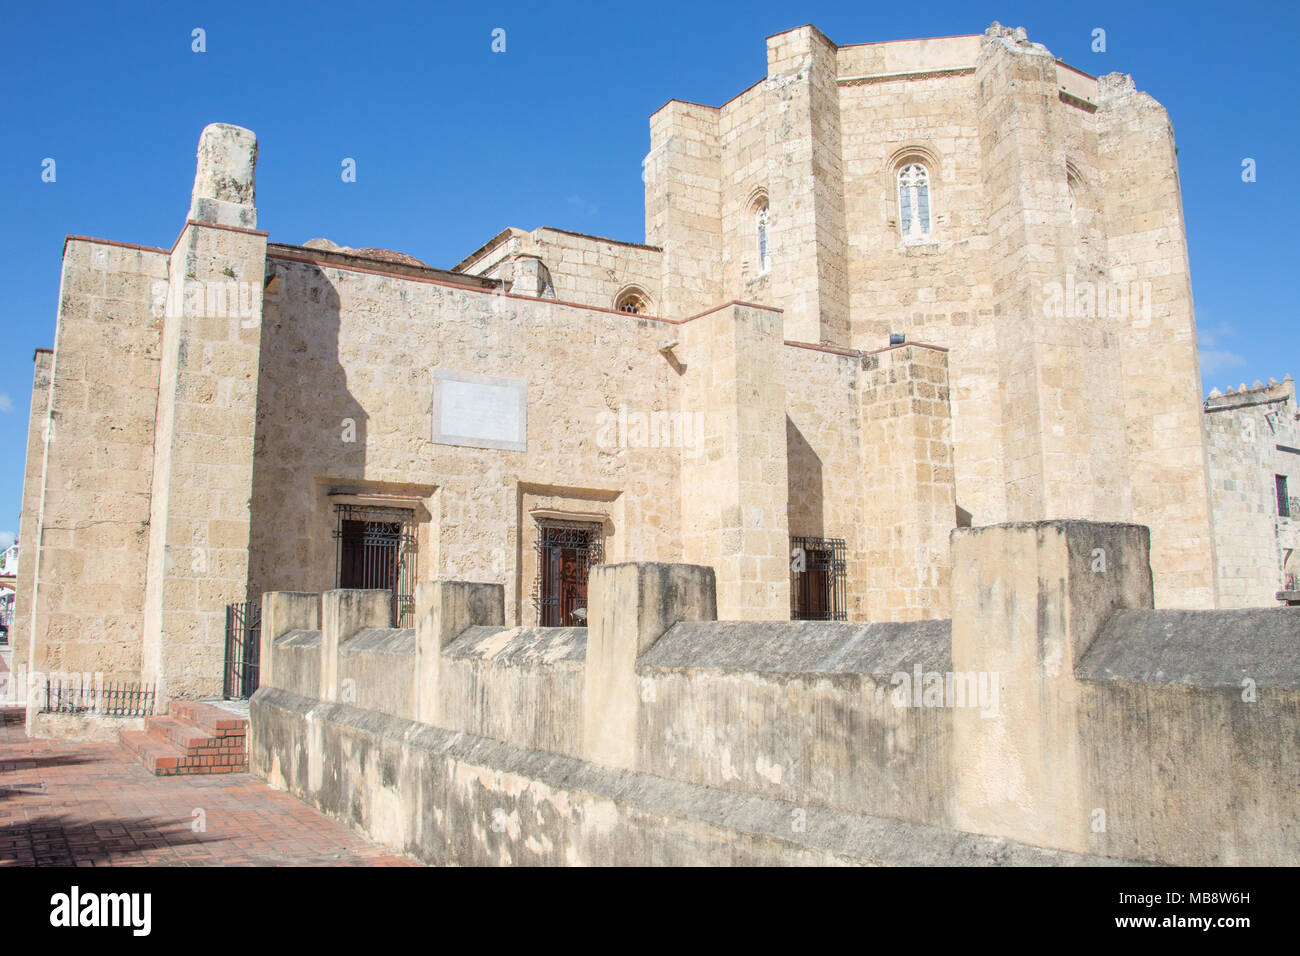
(914, 201)
(631, 302)
(760, 231)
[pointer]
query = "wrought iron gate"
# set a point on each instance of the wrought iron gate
(566, 550)
(243, 645)
(376, 550)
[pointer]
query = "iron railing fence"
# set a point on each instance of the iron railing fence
(76, 694)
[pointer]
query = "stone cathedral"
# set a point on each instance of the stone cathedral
(887, 291)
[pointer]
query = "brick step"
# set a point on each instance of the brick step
(195, 738)
(217, 721)
(190, 738)
(159, 757)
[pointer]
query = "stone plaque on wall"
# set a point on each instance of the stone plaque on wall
(480, 411)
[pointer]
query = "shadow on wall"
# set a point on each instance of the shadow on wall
(804, 497)
(309, 425)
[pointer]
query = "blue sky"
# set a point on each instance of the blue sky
(454, 142)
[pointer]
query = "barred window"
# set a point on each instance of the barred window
(376, 550)
(817, 574)
(566, 550)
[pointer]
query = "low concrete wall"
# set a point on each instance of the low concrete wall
(296, 656)
(453, 798)
(802, 711)
(523, 685)
(376, 670)
(1056, 709)
(1215, 699)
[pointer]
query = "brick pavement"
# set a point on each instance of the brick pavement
(85, 804)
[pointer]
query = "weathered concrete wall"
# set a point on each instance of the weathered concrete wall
(523, 685)
(800, 711)
(296, 657)
(1159, 735)
(452, 798)
(1056, 709)
(377, 670)
(1216, 697)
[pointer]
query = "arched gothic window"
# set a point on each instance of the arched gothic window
(760, 222)
(914, 201)
(632, 302)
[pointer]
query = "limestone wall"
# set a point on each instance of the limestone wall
(20, 629)
(1045, 184)
(346, 383)
(734, 481)
(587, 270)
(86, 547)
(1252, 437)
(683, 206)
(909, 506)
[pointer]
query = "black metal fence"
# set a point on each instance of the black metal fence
(817, 574)
(243, 645)
(74, 694)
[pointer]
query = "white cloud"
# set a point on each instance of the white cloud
(6, 403)
(7, 538)
(590, 208)
(1214, 361)
(1214, 357)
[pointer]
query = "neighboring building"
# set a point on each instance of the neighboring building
(9, 561)
(232, 415)
(1253, 440)
(8, 582)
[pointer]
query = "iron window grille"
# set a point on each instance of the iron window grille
(817, 573)
(566, 550)
(376, 551)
